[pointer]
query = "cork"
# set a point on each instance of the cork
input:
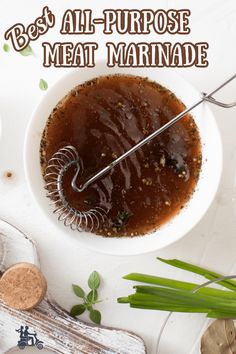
(22, 286)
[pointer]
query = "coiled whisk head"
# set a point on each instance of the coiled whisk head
(80, 220)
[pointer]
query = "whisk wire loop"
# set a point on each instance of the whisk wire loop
(60, 162)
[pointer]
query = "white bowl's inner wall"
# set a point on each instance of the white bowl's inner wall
(207, 184)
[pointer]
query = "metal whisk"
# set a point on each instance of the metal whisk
(60, 162)
(68, 156)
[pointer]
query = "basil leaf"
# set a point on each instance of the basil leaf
(95, 316)
(27, 51)
(77, 310)
(94, 280)
(43, 85)
(92, 296)
(6, 47)
(78, 291)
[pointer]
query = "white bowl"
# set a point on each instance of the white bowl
(207, 185)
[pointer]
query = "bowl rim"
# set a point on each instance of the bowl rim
(111, 247)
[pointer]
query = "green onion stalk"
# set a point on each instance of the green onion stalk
(178, 296)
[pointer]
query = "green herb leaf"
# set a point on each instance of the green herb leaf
(88, 300)
(27, 51)
(121, 219)
(78, 291)
(6, 47)
(92, 296)
(43, 85)
(94, 280)
(77, 310)
(95, 316)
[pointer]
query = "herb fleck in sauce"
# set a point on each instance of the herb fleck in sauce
(105, 117)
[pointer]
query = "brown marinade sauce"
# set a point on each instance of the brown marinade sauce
(105, 117)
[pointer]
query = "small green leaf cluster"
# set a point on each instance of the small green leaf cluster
(89, 300)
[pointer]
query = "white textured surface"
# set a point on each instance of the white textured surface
(212, 243)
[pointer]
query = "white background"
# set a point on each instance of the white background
(212, 243)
